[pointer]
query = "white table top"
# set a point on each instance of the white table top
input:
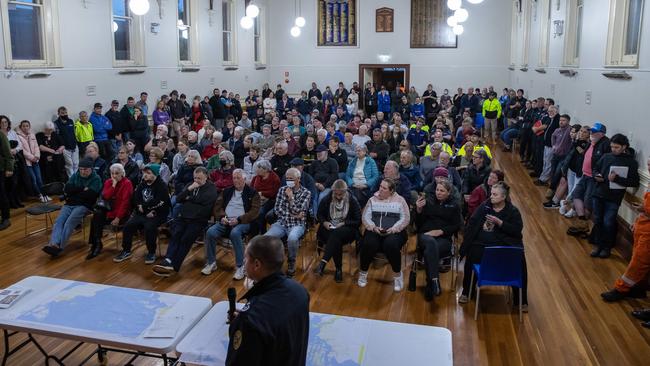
(372, 342)
(102, 314)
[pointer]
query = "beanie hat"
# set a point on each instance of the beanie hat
(440, 172)
(155, 168)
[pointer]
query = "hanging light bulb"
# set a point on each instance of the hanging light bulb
(454, 4)
(252, 11)
(300, 22)
(458, 30)
(452, 21)
(475, 1)
(461, 15)
(115, 26)
(246, 22)
(139, 7)
(295, 31)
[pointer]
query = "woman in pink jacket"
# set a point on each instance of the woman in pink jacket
(32, 155)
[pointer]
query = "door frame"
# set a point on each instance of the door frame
(406, 67)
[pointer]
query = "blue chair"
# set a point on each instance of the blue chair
(500, 266)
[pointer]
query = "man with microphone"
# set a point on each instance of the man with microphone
(272, 329)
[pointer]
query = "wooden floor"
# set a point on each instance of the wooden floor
(568, 324)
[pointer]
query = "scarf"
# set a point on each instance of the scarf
(339, 209)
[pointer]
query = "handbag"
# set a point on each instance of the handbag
(103, 204)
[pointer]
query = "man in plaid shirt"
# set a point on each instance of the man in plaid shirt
(291, 207)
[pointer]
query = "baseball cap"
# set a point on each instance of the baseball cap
(321, 148)
(598, 127)
(297, 161)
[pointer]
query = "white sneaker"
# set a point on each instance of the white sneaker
(42, 199)
(209, 268)
(571, 213)
(240, 273)
(363, 279)
(398, 282)
(564, 207)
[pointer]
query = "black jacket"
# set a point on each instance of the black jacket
(382, 149)
(341, 158)
(325, 172)
(601, 148)
(574, 158)
(353, 219)
(273, 330)
(436, 215)
(218, 109)
(198, 203)
(237, 149)
(473, 177)
(281, 164)
(177, 109)
(127, 118)
(119, 123)
(315, 93)
(152, 197)
(603, 167)
(552, 125)
(508, 234)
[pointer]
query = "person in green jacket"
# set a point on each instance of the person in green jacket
(6, 170)
(491, 113)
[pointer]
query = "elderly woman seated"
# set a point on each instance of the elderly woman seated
(497, 222)
(114, 206)
(385, 218)
(222, 177)
(214, 148)
(340, 216)
(266, 183)
(362, 175)
(438, 218)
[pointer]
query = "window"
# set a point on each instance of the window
(573, 26)
(31, 28)
(186, 25)
(624, 33)
(514, 33)
(544, 31)
(128, 35)
(259, 40)
(229, 32)
(526, 15)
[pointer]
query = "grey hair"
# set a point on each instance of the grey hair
(392, 163)
(362, 147)
(322, 131)
(227, 156)
(117, 167)
(196, 155)
(217, 135)
(444, 153)
(239, 129)
(263, 164)
(49, 125)
(240, 171)
(293, 171)
(201, 170)
(163, 127)
(193, 133)
(282, 143)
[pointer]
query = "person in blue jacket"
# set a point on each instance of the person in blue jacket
(417, 109)
(362, 175)
(383, 100)
(101, 126)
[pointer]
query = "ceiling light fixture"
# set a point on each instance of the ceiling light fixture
(139, 7)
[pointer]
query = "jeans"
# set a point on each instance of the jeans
(434, 249)
(184, 234)
(35, 175)
(234, 233)
(69, 218)
(71, 158)
(322, 195)
(508, 134)
(293, 234)
(605, 225)
(572, 180)
(547, 165)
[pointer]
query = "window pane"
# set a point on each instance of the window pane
(122, 39)
(182, 11)
(633, 27)
(257, 49)
(578, 31)
(25, 30)
(225, 11)
(256, 26)
(184, 44)
(226, 47)
(120, 8)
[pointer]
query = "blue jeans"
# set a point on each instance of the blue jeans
(293, 235)
(508, 134)
(322, 195)
(235, 234)
(35, 176)
(69, 218)
(605, 225)
(176, 208)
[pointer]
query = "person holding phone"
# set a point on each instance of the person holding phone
(385, 218)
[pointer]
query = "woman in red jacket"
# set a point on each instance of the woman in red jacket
(266, 183)
(481, 193)
(113, 207)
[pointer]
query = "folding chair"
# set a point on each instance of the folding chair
(500, 266)
(44, 210)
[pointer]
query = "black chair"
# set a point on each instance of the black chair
(45, 210)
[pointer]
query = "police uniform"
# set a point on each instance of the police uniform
(273, 327)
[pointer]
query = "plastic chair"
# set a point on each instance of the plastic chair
(500, 266)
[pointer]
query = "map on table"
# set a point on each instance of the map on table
(115, 311)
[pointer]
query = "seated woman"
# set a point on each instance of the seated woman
(99, 164)
(114, 207)
(385, 218)
(438, 218)
(134, 154)
(179, 159)
(497, 222)
(340, 216)
(482, 192)
(266, 183)
(249, 162)
(362, 175)
(156, 156)
(476, 172)
(222, 177)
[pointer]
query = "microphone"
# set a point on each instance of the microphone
(232, 298)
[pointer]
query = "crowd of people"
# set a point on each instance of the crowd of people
(365, 166)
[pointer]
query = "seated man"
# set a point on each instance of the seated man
(198, 199)
(236, 208)
(281, 159)
(410, 170)
(402, 184)
(81, 192)
(291, 207)
(307, 181)
(150, 209)
(324, 170)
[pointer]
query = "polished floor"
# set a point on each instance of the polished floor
(567, 323)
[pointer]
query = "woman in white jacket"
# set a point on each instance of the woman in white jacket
(385, 218)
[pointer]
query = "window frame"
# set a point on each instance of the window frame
(616, 35)
(573, 33)
(260, 40)
(234, 61)
(50, 37)
(136, 34)
(544, 32)
(526, 14)
(514, 33)
(193, 34)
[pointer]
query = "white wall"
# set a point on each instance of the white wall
(87, 60)
(480, 59)
(620, 105)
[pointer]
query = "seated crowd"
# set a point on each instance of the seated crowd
(369, 170)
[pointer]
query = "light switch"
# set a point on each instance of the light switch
(163, 84)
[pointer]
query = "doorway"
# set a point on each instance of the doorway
(385, 74)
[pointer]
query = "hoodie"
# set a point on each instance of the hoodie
(604, 165)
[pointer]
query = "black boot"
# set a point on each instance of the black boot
(428, 291)
(95, 249)
(338, 275)
(435, 286)
(4, 224)
(321, 268)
